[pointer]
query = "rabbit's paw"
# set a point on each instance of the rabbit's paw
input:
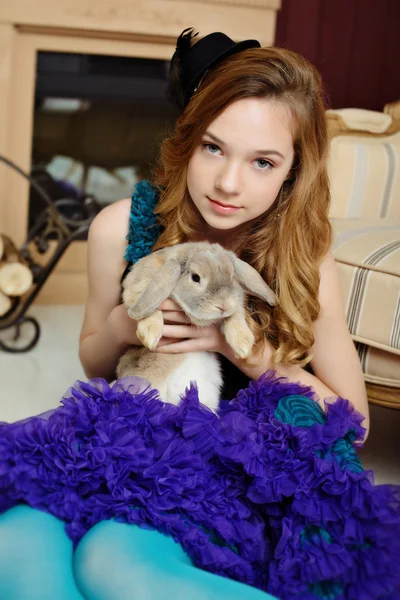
(240, 339)
(149, 330)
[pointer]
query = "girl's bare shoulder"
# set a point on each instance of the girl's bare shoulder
(111, 222)
(107, 241)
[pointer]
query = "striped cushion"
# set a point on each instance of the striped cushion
(368, 258)
(380, 367)
(364, 172)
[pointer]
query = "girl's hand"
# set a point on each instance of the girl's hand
(172, 313)
(124, 327)
(179, 335)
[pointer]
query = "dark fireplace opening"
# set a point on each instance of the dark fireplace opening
(98, 124)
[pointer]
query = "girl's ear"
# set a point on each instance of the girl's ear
(158, 290)
(251, 280)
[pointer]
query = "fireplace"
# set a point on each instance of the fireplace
(98, 122)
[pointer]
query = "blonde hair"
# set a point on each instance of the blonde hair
(287, 243)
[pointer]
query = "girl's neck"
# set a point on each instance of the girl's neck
(230, 239)
(224, 238)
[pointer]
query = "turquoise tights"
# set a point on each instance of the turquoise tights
(113, 561)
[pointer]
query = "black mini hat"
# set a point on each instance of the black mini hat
(190, 63)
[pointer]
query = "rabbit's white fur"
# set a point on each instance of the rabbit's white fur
(209, 284)
(171, 374)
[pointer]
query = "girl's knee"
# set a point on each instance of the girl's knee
(109, 540)
(25, 531)
(35, 557)
(21, 515)
(112, 555)
(94, 559)
(103, 551)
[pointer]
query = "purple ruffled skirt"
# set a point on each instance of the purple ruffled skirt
(269, 492)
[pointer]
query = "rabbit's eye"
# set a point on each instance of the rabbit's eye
(196, 277)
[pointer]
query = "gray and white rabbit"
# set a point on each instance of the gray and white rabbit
(210, 284)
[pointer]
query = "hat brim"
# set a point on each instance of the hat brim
(239, 47)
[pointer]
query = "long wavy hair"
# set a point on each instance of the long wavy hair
(288, 242)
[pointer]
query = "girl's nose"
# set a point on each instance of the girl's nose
(229, 179)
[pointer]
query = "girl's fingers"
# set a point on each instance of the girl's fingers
(169, 304)
(173, 316)
(181, 346)
(181, 331)
(165, 341)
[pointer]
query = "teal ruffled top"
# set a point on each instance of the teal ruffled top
(144, 229)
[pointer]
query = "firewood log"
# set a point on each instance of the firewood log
(5, 304)
(15, 278)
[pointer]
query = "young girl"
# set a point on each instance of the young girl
(270, 493)
(271, 207)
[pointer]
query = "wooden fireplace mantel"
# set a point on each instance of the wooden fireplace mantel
(136, 28)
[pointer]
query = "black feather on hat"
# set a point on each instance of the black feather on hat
(174, 90)
(191, 61)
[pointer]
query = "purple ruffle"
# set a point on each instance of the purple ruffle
(248, 496)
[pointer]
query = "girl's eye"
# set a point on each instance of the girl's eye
(196, 277)
(263, 164)
(211, 148)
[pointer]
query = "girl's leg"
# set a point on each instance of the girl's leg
(35, 557)
(116, 561)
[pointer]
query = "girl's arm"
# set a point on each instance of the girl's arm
(337, 369)
(292, 372)
(107, 330)
(336, 361)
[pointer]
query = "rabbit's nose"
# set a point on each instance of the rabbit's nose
(225, 307)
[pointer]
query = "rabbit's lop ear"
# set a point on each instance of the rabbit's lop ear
(159, 288)
(251, 280)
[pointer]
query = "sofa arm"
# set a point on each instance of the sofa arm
(363, 168)
(393, 109)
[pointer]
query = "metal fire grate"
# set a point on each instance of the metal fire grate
(50, 236)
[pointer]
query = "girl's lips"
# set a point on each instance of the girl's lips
(223, 209)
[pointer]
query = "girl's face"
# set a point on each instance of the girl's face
(236, 172)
